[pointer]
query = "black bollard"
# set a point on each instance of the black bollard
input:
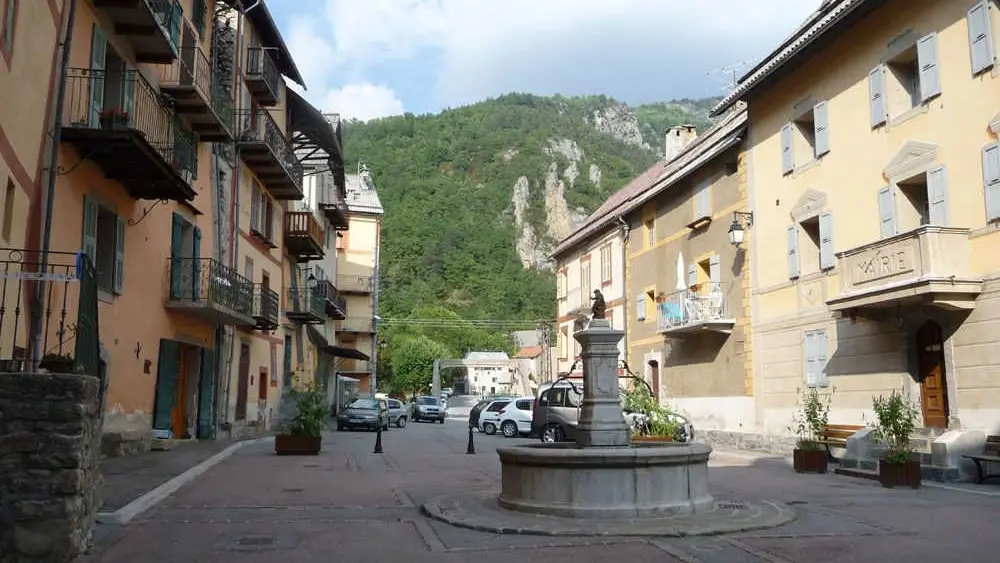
(471, 448)
(378, 441)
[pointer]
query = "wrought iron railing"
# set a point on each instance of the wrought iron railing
(701, 303)
(65, 310)
(330, 294)
(265, 304)
(205, 280)
(303, 300)
(355, 283)
(99, 99)
(222, 102)
(170, 14)
(259, 127)
(260, 66)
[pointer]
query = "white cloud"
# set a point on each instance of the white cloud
(363, 101)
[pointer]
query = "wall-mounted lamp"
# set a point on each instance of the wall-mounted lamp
(736, 231)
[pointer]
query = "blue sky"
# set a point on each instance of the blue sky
(371, 58)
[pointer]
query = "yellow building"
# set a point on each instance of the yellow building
(874, 180)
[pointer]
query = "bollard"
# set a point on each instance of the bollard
(378, 441)
(471, 448)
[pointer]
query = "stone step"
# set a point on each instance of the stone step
(927, 473)
(921, 445)
(930, 433)
(162, 444)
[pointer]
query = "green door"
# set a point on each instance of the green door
(167, 372)
(206, 398)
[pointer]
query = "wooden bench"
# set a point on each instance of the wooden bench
(836, 435)
(991, 454)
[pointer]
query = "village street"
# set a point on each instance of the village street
(350, 505)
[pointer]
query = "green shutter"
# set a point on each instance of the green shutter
(176, 255)
(206, 398)
(90, 229)
(166, 384)
(196, 264)
(98, 54)
(119, 268)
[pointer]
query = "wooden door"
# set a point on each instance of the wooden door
(243, 383)
(931, 372)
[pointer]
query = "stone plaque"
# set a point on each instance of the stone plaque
(881, 263)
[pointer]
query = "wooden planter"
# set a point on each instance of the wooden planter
(809, 461)
(297, 445)
(899, 474)
(651, 439)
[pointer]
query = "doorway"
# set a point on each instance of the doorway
(931, 375)
(654, 375)
(243, 382)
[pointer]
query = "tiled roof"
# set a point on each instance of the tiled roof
(361, 196)
(529, 352)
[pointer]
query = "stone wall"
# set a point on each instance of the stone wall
(750, 441)
(49, 478)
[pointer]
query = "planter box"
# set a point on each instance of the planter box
(899, 474)
(809, 461)
(58, 365)
(651, 439)
(297, 445)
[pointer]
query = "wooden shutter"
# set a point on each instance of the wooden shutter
(887, 212)
(793, 252)
(118, 275)
(90, 229)
(206, 397)
(177, 266)
(98, 53)
(715, 272)
(991, 180)
(821, 124)
(930, 72)
(787, 152)
(980, 37)
(167, 370)
(692, 274)
(937, 196)
(826, 258)
(809, 358)
(876, 94)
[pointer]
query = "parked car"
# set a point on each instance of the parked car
(371, 414)
(489, 417)
(428, 408)
(399, 412)
(515, 418)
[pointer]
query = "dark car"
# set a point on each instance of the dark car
(370, 414)
(428, 408)
(475, 412)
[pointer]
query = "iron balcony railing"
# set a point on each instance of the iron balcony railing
(206, 280)
(261, 66)
(98, 99)
(305, 301)
(265, 305)
(170, 14)
(259, 127)
(701, 303)
(193, 69)
(331, 298)
(354, 284)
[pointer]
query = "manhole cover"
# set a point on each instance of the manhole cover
(731, 505)
(292, 490)
(255, 541)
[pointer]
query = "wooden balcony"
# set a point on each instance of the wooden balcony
(116, 120)
(930, 265)
(267, 153)
(265, 308)
(696, 310)
(263, 77)
(153, 27)
(304, 236)
(336, 304)
(198, 95)
(205, 289)
(305, 306)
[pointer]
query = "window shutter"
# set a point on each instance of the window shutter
(167, 369)
(196, 264)
(821, 128)
(640, 309)
(98, 53)
(927, 60)
(119, 272)
(787, 154)
(255, 209)
(809, 358)
(980, 37)
(819, 358)
(176, 254)
(702, 201)
(90, 229)
(937, 196)
(692, 274)
(887, 212)
(876, 95)
(826, 258)
(206, 400)
(715, 272)
(793, 252)
(991, 180)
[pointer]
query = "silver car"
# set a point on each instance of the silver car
(428, 408)
(399, 412)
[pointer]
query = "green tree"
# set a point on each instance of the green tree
(413, 362)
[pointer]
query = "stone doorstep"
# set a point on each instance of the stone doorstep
(868, 469)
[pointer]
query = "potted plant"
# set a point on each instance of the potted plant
(114, 118)
(895, 421)
(303, 435)
(809, 421)
(659, 424)
(58, 363)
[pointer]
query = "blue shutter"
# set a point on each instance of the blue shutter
(809, 358)
(980, 37)
(930, 72)
(787, 152)
(254, 209)
(887, 212)
(98, 53)
(177, 266)
(793, 252)
(991, 180)
(937, 196)
(196, 267)
(876, 94)
(90, 228)
(167, 370)
(820, 358)
(206, 397)
(821, 124)
(826, 258)
(118, 276)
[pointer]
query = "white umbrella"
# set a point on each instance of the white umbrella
(681, 273)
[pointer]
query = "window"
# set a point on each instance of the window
(807, 134)
(104, 244)
(650, 233)
(919, 200)
(261, 213)
(815, 249)
(981, 37)
(561, 285)
(585, 279)
(815, 358)
(523, 405)
(606, 268)
(640, 306)
(7, 26)
(991, 180)
(908, 78)
(8, 209)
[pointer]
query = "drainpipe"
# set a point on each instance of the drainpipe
(375, 299)
(50, 188)
(626, 231)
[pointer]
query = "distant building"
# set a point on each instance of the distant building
(489, 379)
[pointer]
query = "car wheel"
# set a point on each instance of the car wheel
(553, 433)
(401, 422)
(489, 429)
(509, 428)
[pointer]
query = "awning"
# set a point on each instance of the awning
(317, 142)
(350, 353)
(317, 337)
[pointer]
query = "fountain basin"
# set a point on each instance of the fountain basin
(641, 480)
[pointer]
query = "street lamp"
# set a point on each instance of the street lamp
(736, 231)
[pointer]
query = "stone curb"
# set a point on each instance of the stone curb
(125, 514)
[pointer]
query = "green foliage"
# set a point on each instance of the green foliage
(413, 362)
(312, 412)
(810, 418)
(661, 423)
(655, 119)
(895, 421)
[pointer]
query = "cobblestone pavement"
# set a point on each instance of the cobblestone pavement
(349, 505)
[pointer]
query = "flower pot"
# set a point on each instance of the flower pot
(809, 461)
(899, 474)
(297, 445)
(652, 439)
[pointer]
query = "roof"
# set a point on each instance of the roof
(529, 352)
(486, 356)
(361, 195)
(717, 139)
(267, 29)
(312, 131)
(794, 49)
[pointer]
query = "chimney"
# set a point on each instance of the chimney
(678, 137)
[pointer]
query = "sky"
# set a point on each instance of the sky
(373, 58)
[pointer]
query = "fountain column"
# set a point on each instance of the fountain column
(601, 422)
